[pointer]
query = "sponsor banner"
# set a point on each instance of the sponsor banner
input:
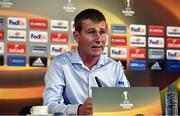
(123, 62)
(137, 29)
(59, 25)
(72, 26)
(156, 53)
(156, 42)
(173, 66)
(1, 47)
(156, 30)
(173, 31)
(58, 49)
(173, 54)
(157, 65)
(17, 23)
(137, 65)
(1, 22)
(118, 40)
(59, 37)
(173, 43)
(38, 61)
(139, 53)
(16, 35)
(119, 29)
(118, 53)
(16, 60)
(1, 34)
(16, 48)
(105, 52)
(136, 41)
(35, 23)
(38, 49)
(1, 60)
(38, 36)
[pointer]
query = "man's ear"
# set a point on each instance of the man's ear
(76, 36)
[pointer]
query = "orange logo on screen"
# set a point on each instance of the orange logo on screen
(173, 42)
(138, 53)
(16, 48)
(156, 30)
(118, 40)
(38, 24)
(59, 37)
(1, 34)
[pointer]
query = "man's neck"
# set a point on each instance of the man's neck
(89, 61)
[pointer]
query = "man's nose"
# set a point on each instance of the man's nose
(98, 37)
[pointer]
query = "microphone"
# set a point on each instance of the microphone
(98, 82)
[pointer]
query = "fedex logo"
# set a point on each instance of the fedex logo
(173, 54)
(173, 31)
(118, 40)
(173, 42)
(156, 30)
(38, 36)
(58, 49)
(118, 53)
(59, 37)
(137, 29)
(18, 23)
(1, 34)
(156, 42)
(138, 53)
(16, 48)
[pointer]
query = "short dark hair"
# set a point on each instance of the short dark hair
(92, 14)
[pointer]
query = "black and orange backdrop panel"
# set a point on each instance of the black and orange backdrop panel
(143, 34)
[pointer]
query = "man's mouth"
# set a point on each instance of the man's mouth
(96, 46)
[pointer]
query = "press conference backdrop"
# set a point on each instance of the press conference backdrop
(143, 34)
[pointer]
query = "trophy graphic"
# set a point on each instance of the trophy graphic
(125, 93)
(128, 10)
(126, 103)
(69, 7)
(128, 2)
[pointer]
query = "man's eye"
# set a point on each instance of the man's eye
(101, 32)
(91, 32)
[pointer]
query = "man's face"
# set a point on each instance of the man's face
(92, 38)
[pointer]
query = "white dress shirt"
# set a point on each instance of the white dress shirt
(68, 81)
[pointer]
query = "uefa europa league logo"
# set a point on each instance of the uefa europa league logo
(126, 103)
(128, 3)
(128, 10)
(125, 94)
(69, 7)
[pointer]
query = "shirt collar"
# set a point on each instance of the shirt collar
(76, 59)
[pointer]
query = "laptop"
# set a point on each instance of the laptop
(108, 101)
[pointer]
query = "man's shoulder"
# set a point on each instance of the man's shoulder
(62, 57)
(108, 60)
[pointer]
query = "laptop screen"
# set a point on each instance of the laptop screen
(126, 101)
